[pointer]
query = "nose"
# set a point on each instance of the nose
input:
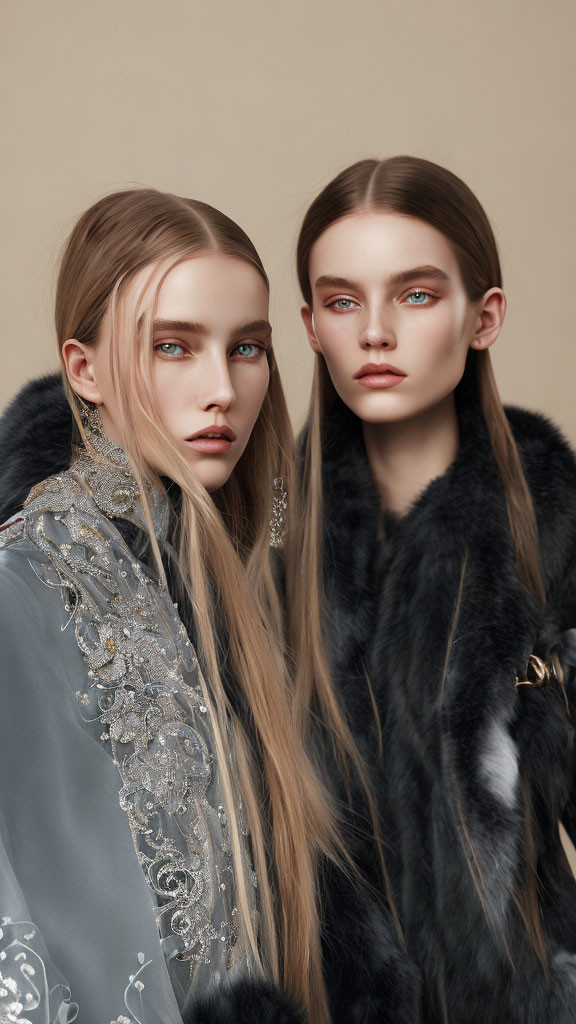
(377, 330)
(219, 394)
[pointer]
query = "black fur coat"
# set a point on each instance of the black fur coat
(430, 608)
(459, 743)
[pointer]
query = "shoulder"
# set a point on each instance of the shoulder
(40, 662)
(31, 589)
(545, 451)
(21, 590)
(25, 611)
(549, 464)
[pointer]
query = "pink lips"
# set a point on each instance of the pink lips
(213, 440)
(379, 375)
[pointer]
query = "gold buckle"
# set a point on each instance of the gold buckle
(537, 672)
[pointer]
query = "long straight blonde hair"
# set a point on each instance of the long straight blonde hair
(223, 555)
(416, 188)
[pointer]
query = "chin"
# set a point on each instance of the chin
(212, 478)
(380, 412)
(212, 481)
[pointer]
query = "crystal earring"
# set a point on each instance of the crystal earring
(90, 419)
(279, 509)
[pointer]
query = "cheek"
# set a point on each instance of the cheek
(108, 395)
(173, 388)
(339, 348)
(101, 366)
(251, 385)
(443, 339)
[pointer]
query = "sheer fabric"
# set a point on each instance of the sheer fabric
(117, 886)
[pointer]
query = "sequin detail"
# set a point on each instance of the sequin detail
(279, 511)
(146, 698)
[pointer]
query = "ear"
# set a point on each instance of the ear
(307, 316)
(78, 360)
(489, 318)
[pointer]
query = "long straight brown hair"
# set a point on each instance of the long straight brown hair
(416, 188)
(224, 566)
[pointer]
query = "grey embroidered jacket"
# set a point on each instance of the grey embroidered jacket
(117, 889)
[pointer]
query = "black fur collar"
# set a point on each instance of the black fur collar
(390, 604)
(35, 440)
(466, 505)
(392, 591)
(36, 437)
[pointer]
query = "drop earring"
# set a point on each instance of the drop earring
(279, 509)
(90, 419)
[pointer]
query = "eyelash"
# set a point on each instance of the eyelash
(167, 355)
(343, 298)
(184, 353)
(420, 291)
(251, 344)
(415, 291)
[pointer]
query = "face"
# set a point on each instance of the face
(391, 316)
(209, 367)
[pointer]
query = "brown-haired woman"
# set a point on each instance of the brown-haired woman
(161, 824)
(438, 554)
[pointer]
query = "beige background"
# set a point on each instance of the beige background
(253, 106)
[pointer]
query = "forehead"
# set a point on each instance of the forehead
(380, 243)
(212, 288)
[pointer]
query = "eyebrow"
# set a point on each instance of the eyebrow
(259, 327)
(399, 277)
(402, 276)
(336, 282)
(180, 325)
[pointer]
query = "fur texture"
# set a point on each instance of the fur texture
(431, 608)
(245, 1002)
(460, 746)
(369, 977)
(35, 440)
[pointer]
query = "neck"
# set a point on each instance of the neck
(405, 456)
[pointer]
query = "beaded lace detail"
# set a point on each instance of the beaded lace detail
(145, 697)
(29, 985)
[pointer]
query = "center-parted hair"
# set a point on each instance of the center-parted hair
(223, 565)
(416, 188)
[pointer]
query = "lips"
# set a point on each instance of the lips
(379, 370)
(379, 375)
(214, 431)
(212, 440)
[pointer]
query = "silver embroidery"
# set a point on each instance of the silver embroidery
(106, 469)
(279, 510)
(11, 529)
(133, 992)
(148, 700)
(27, 981)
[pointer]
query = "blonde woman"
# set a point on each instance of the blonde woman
(438, 554)
(160, 823)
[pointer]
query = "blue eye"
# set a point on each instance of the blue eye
(343, 304)
(170, 348)
(246, 349)
(418, 298)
